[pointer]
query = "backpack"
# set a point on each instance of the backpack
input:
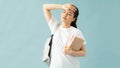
(46, 58)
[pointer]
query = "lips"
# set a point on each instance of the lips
(64, 18)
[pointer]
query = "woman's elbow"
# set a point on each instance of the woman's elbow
(46, 7)
(82, 54)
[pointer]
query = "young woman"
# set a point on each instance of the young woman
(61, 55)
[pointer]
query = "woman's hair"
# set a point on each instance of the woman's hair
(76, 13)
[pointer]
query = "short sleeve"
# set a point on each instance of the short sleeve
(79, 34)
(53, 24)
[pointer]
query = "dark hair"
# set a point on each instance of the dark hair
(76, 13)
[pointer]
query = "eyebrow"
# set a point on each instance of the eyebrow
(71, 11)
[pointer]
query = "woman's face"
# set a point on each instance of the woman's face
(67, 16)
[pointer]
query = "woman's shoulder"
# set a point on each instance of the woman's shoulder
(76, 29)
(77, 32)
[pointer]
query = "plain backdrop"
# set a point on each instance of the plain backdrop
(23, 31)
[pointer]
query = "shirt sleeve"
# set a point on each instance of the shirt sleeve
(53, 24)
(79, 34)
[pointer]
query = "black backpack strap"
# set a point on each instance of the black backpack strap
(50, 44)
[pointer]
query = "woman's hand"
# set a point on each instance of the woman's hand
(68, 7)
(67, 50)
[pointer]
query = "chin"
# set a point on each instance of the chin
(63, 20)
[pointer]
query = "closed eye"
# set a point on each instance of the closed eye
(70, 14)
(64, 11)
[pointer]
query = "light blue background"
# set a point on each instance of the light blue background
(23, 31)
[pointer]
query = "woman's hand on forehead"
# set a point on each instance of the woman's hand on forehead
(69, 7)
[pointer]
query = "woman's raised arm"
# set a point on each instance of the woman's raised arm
(47, 10)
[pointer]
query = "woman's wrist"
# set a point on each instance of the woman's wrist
(53, 6)
(57, 6)
(64, 7)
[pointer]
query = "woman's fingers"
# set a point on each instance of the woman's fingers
(69, 7)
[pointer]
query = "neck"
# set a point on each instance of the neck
(65, 25)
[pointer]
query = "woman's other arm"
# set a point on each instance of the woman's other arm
(80, 53)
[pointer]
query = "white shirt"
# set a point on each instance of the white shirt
(60, 40)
